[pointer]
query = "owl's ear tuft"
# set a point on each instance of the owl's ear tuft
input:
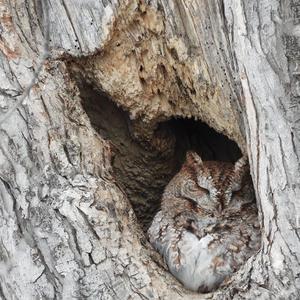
(241, 166)
(192, 159)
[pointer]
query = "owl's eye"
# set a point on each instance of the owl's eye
(189, 188)
(192, 187)
(235, 193)
(206, 191)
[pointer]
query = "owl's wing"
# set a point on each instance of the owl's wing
(161, 233)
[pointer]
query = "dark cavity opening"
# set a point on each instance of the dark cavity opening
(143, 164)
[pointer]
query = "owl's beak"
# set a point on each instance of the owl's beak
(220, 208)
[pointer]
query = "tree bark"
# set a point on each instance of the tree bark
(68, 229)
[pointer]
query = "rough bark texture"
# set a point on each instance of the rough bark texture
(67, 229)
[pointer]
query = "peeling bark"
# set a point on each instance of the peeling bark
(68, 229)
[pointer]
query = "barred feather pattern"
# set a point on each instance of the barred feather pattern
(207, 226)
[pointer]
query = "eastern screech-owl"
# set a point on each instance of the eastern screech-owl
(207, 226)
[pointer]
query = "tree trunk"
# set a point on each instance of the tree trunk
(68, 229)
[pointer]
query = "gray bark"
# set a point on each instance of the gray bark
(67, 229)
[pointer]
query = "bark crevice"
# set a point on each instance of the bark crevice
(232, 64)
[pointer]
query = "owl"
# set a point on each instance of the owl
(207, 226)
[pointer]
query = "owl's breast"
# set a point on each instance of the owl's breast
(201, 268)
(201, 260)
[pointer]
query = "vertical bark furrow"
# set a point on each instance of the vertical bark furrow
(66, 229)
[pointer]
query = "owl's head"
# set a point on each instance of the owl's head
(215, 185)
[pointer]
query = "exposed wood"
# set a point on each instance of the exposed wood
(67, 229)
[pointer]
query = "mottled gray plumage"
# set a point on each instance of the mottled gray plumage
(207, 226)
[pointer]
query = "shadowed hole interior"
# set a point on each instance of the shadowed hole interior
(144, 167)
